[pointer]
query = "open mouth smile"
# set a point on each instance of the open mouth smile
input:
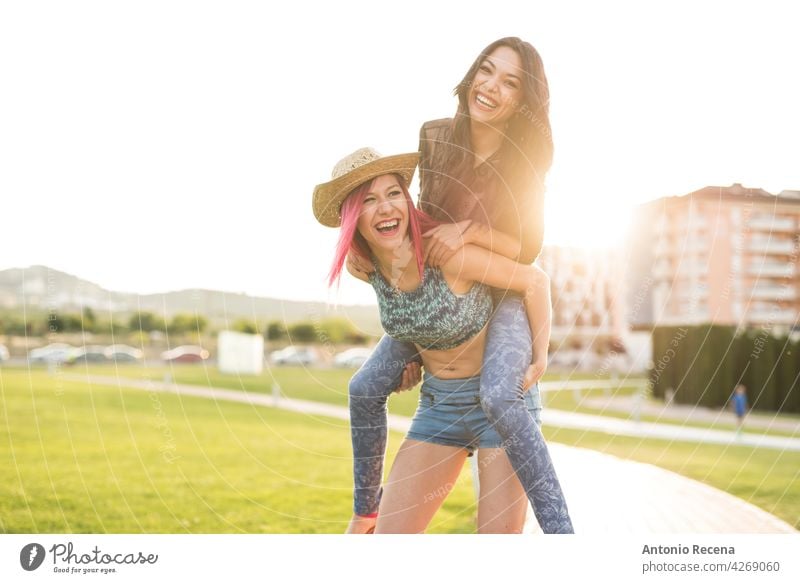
(485, 102)
(388, 228)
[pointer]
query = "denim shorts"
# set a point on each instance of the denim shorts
(450, 413)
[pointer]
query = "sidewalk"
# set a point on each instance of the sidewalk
(608, 495)
(691, 413)
(613, 426)
(605, 494)
(656, 408)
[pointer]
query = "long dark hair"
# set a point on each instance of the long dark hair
(526, 153)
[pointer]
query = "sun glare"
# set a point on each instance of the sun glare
(601, 222)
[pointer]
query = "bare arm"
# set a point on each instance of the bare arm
(538, 307)
(532, 235)
(494, 240)
(518, 236)
(523, 246)
(443, 241)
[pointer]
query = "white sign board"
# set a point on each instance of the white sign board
(239, 353)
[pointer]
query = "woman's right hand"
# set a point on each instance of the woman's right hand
(534, 374)
(358, 263)
(443, 241)
(412, 375)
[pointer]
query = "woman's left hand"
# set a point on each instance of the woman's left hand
(443, 241)
(533, 374)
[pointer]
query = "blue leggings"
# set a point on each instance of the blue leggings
(506, 358)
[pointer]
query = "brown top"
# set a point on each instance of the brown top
(520, 215)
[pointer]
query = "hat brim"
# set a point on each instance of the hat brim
(328, 197)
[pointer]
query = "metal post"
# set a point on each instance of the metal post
(476, 481)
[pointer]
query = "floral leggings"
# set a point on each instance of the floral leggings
(506, 358)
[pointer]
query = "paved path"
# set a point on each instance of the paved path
(613, 426)
(605, 494)
(691, 413)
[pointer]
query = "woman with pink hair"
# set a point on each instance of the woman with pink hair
(444, 312)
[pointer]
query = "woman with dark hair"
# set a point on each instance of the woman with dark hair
(444, 311)
(482, 175)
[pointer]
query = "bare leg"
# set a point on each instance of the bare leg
(421, 478)
(503, 503)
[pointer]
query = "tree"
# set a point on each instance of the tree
(146, 322)
(302, 332)
(245, 326)
(336, 330)
(182, 323)
(56, 322)
(275, 331)
(89, 319)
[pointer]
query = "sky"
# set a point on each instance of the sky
(153, 146)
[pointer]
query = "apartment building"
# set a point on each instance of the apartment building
(724, 255)
(587, 296)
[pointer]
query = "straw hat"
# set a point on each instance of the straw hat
(353, 171)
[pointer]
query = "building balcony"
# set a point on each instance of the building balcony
(691, 269)
(678, 319)
(772, 269)
(772, 224)
(773, 246)
(685, 223)
(682, 248)
(773, 293)
(773, 317)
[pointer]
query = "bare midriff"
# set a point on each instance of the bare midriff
(460, 362)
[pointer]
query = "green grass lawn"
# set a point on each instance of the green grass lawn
(84, 459)
(768, 478)
(330, 386)
(324, 385)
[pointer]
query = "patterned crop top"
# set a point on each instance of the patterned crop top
(432, 315)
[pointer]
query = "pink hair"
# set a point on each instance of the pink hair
(350, 240)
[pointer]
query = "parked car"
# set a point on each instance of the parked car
(294, 355)
(123, 353)
(352, 358)
(85, 354)
(185, 353)
(52, 353)
(3, 353)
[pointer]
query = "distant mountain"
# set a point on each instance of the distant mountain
(40, 287)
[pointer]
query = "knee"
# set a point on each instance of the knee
(500, 405)
(367, 393)
(358, 386)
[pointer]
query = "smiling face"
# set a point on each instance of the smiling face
(383, 220)
(496, 89)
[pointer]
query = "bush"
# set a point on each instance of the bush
(245, 326)
(704, 363)
(276, 331)
(302, 332)
(183, 323)
(146, 322)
